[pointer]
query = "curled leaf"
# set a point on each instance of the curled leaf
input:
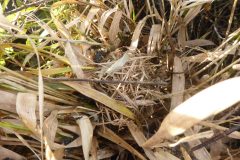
(118, 64)
(26, 106)
(204, 104)
(87, 135)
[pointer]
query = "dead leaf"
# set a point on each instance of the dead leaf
(154, 38)
(137, 32)
(178, 83)
(86, 134)
(140, 139)
(50, 129)
(199, 42)
(204, 104)
(76, 143)
(164, 155)
(88, 20)
(110, 135)
(102, 98)
(8, 101)
(26, 107)
(75, 62)
(103, 20)
(115, 29)
(118, 64)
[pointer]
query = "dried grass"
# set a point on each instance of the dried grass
(189, 46)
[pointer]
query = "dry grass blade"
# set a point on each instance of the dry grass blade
(53, 39)
(102, 98)
(28, 82)
(193, 137)
(87, 22)
(140, 139)
(182, 36)
(192, 13)
(154, 38)
(26, 107)
(197, 108)
(199, 42)
(48, 152)
(71, 128)
(235, 134)
(52, 71)
(94, 149)
(201, 154)
(104, 18)
(136, 133)
(5, 24)
(47, 29)
(114, 28)
(105, 153)
(199, 58)
(75, 63)
(163, 155)
(50, 129)
(118, 64)
(8, 101)
(185, 154)
(40, 91)
(76, 143)
(8, 154)
(86, 134)
(178, 83)
(61, 28)
(218, 54)
(128, 8)
(137, 32)
(109, 60)
(231, 16)
(40, 81)
(25, 143)
(193, 3)
(110, 135)
(59, 153)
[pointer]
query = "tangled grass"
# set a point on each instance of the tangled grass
(95, 79)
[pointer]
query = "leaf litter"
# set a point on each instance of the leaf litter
(120, 41)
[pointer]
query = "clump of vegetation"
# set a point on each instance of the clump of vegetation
(95, 79)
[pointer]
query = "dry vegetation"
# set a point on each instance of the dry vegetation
(95, 79)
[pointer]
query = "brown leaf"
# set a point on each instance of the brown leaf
(86, 134)
(204, 104)
(102, 98)
(26, 106)
(110, 135)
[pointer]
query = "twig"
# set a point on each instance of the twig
(231, 17)
(215, 138)
(26, 6)
(104, 81)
